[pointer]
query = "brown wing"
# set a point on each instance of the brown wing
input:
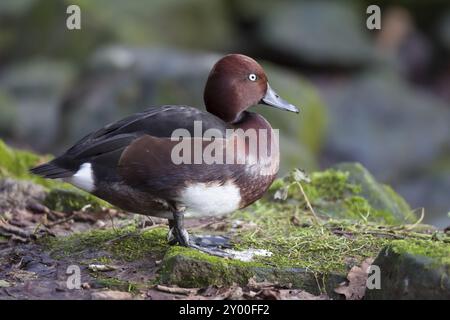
(147, 164)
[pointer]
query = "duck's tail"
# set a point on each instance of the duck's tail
(51, 170)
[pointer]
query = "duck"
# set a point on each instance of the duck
(132, 163)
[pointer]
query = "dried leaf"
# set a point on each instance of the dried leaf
(357, 278)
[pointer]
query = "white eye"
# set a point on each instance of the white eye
(252, 77)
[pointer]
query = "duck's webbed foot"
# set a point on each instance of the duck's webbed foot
(179, 235)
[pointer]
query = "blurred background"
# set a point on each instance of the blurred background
(379, 97)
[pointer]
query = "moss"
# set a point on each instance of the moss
(117, 284)
(437, 251)
(126, 244)
(348, 192)
(330, 185)
(16, 163)
(379, 196)
(191, 268)
(304, 244)
(71, 200)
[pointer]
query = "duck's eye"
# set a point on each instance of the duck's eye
(252, 77)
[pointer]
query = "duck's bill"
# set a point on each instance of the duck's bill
(272, 99)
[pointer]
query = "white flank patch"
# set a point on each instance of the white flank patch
(83, 178)
(210, 199)
(247, 255)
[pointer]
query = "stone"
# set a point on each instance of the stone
(413, 269)
(15, 194)
(444, 29)
(317, 32)
(392, 127)
(378, 119)
(379, 196)
(35, 87)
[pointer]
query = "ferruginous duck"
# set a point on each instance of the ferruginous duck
(176, 161)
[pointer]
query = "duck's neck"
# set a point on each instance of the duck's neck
(266, 145)
(250, 120)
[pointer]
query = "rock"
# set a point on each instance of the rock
(71, 200)
(111, 295)
(14, 7)
(16, 194)
(190, 269)
(34, 87)
(317, 32)
(347, 191)
(159, 23)
(381, 197)
(413, 269)
(444, 30)
(429, 189)
(15, 164)
(380, 121)
(123, 80)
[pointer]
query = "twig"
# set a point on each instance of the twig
(316, 218)
(51, 225)
(176, 290)
(422, 215)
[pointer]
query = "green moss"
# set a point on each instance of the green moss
(380, 197)
(16, 163)
(349, 192)
(437, 251)
(117, 284)
(126, 244)
(303, 244)
(330, 185)
(71, 200)
(191, 268)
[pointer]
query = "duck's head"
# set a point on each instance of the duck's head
(237, 82)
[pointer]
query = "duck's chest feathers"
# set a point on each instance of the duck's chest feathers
(210, 199)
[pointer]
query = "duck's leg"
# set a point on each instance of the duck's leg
(178, 234)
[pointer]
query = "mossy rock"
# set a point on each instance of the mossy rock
(348, 191)
(60, 196)
(70, 200)
(380, 196)
(190, 268)
(413, 270)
